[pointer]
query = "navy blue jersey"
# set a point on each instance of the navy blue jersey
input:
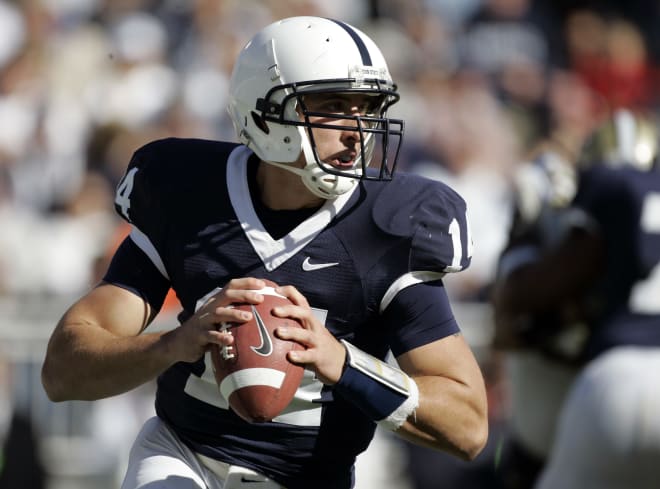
(624, 204)
(370, 264)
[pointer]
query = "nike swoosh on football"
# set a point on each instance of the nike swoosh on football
(309, 267)
(266, 346)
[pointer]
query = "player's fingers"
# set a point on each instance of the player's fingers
(301, 357)
(240, 296)
(245, 283)
(209, 319)
(326, 367)
(220, 337)
(303, 315)
(293, 295)
(299, 335)
(242, 290)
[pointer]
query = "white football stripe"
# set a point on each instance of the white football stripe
(250, 377)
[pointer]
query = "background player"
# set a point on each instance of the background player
(538, 349)
(299, 203)
(603, 272)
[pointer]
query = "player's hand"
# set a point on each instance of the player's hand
(323, 354)
(194, 337)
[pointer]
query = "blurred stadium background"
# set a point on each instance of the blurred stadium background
(83, 83)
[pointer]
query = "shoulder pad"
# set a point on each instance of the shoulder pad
(433, 216)
(163, 174)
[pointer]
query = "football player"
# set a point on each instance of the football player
(605, 267)
(538, 350)
(307, 200)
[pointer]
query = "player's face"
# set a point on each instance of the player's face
(340, 147)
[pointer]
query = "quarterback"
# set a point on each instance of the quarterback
(305, 199)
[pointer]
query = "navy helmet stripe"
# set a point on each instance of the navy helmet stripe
(362, 47)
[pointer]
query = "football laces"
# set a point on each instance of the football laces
(227, 351)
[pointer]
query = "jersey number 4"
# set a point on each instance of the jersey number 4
(123, 194)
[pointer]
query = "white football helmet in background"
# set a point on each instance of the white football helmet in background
(302, 55)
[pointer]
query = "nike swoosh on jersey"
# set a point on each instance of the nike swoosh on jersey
(309, 267)
(266, 346)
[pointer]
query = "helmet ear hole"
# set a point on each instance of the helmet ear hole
(259, 122)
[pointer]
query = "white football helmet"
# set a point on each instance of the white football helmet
(310, 55)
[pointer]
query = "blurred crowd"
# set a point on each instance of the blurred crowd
(485, 85)
(84, 82)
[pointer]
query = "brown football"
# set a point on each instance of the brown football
(254, 374)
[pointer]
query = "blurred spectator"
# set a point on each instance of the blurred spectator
(141, 85)
(12, 33)
(612, 56)
(21, 466)
(641, 13)
(471, 147)
(514, 43)
(54, 255)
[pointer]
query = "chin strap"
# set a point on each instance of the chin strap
(320, 183)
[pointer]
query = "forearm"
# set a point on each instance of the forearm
(450, 417)
(99, 348)
(86, 362)
(440, 407)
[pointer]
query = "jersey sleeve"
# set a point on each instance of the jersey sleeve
(418, 315)
(140, 195)
(132, 270)
(140, 199)
(434, 218)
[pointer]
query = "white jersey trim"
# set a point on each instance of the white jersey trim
(407, 280)
(142, 241)
(273, 252)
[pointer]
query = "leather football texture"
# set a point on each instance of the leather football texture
(253, 374)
